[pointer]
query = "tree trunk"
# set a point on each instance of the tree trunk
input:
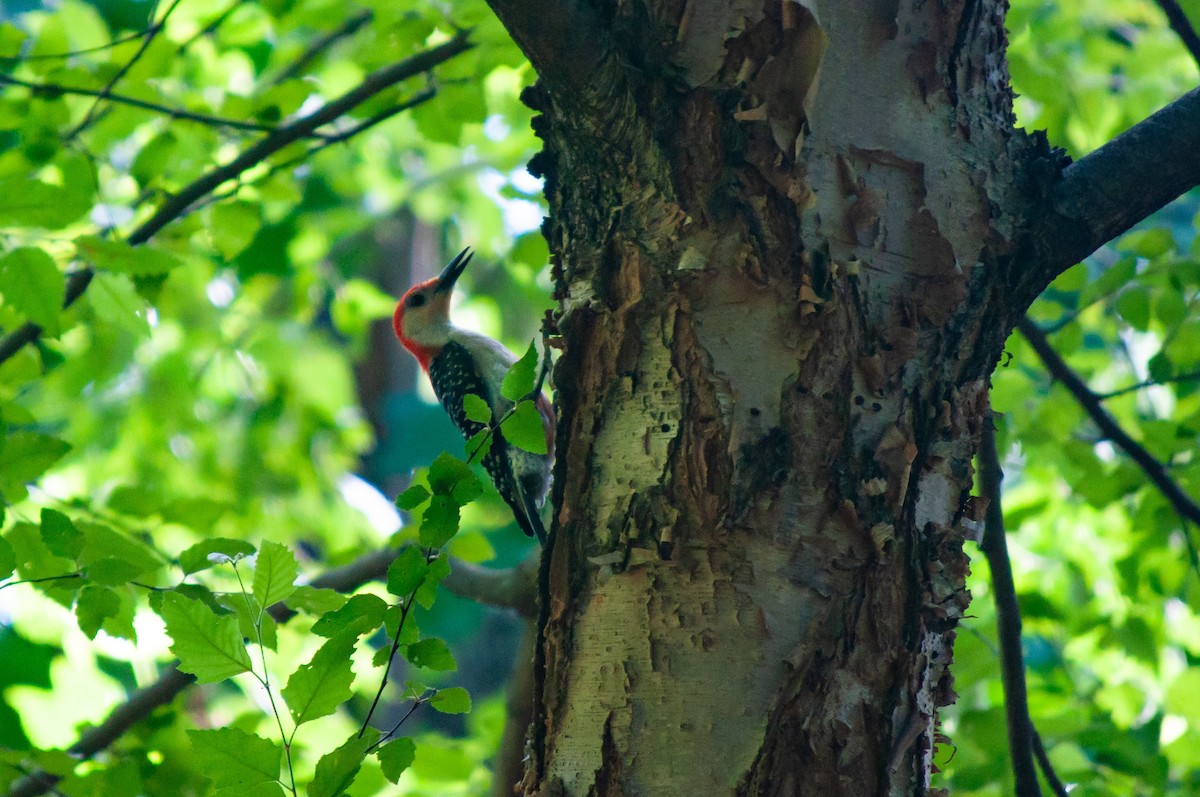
(784, 234)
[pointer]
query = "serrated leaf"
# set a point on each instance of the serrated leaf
(522, 376)
(525, 429)
(207, 646)
(60, 534)
(232, 757)
(336, 770)
(121, 258)
(317, 688)
(360, 615)
(33, 203)
(32, 284)
(94, 605)
(406, 572)
(477, 409)
(275, 573)
(116, 301)
(454, 700)
(412, 498)
(440, 521)
(408, 634)
(432, 654)
(395, 757)
(197, 557)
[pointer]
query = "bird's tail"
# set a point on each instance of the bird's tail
(529, 518)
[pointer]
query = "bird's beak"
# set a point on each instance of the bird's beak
(453, 271)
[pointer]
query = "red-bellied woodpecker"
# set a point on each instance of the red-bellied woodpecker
(460, 363)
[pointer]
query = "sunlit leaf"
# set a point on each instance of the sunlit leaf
(317, 688)
(275, 573)
(207, 646)
(233, 757)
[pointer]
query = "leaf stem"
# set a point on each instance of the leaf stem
(265, 680)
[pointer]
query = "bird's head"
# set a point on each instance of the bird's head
(422, 317)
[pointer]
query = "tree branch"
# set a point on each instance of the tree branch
(177, 204)
(122, 99)
(1183, 504)
(1182, 27)
(1008, 617)
(505, 588)
(151, 33)
(564, 40)
(1108, 191)
(322, 43)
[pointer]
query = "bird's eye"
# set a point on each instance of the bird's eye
(416, 300)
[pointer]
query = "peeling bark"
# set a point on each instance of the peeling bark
(785, 237)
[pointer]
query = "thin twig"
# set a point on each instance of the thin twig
(1008, 617)
(151, 33)
(404, 610)
(1052, 779)
(322, 43)
(1188, 377)
(123, 99)
(20, 59)
(177, 204)
(367, 568)
(217, 22)
(1182, 26)
(1183, 504)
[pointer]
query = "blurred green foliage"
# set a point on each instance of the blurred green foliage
(1108, 588)
(231, 387)
(213, 393)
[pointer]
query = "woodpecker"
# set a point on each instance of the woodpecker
(459, 363)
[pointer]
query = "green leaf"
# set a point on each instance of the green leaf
(60, 534)
(432, 654)
(94, 605)
(1183, 696)
(439, 568)
(522, 376)
(440, 521)
(450, 476)
(232, 757)
(336, 770)
(1134, 307)
(32, 203)
(8, 559)
(121, 258)
(116, 301)
(33, 285)
(360, 615)
(154, 158)
(406, 572)
(24, 456)
(395, 757)
(108, 549)
(454, 700)
(315, 600)
(477, 409)
(233, 226)
(412, 498)
(201, 555)
(275, 573)
(479, 444)
(317, 689)
(525, 429)
(207, 646)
